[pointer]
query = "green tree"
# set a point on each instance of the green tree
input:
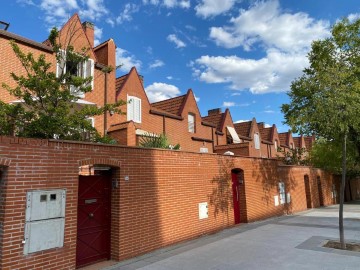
(325, 100)
(328, 155)
(157, 141)
(47, 107)
(295, 156)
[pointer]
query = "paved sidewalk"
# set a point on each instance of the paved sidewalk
(290, 242)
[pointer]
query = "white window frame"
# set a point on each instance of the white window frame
(87, 70)
(191, 123)
(276, 145)
(282, 194)
(91, 120)
(133, 111)
(257, 140)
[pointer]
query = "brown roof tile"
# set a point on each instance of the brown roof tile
(297, 142)
(215, 119)
(283, 137)
(265, 133)
(172, 105)
(243, 128)
(308, 142)
(120, 81)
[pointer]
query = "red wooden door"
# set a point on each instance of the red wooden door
(93, 231)
(236, 197)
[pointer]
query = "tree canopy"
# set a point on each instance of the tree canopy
(325, 100)
(47, 106)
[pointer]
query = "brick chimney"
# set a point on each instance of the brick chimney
(214, 111)
(89, 30)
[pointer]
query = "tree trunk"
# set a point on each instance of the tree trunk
(342, 191)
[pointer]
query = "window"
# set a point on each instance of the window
(276, 146)
(291, 146)
(133, 109)
(84, 69)
(257, 140)
(191, 123)
(282, 192)
(234, 135)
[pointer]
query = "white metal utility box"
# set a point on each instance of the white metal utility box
(45, 204)
(45, 220)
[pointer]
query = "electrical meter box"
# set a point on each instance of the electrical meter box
(45, 220)
(44, 234)
(45, 204)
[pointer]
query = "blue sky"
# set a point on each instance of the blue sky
(234, 54)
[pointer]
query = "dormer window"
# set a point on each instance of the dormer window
(83, 69)
(191, 123)
(257, 141)
(133, 109)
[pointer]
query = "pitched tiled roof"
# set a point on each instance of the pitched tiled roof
(215, 119)
(265, 133)
(172, 105)
(120, 81)
(308, 142)
(243, 129)
(283, 138)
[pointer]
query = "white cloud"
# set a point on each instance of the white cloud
(267, 125)
(97, 35)
(57, 12)
(127, 60)
(157, 63)
(208, 8)
(126, 14)
(190, 27)
(110, 21)
(272, 73)
(161, 91)
(94, 9)
(236, 94)
(241, 121)
(197, 99)
(267, 24)
(173, 38)
(168, 3)
(353, 17)
(269, 111)
(228, 104)
(169, 77)
(286, 38)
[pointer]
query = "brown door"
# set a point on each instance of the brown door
(93, 231)
(321, 197)
(236, 197)
(307, 191)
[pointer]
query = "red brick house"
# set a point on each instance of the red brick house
(224, 133)
(179, 118)
(270, 141)
(80, 35)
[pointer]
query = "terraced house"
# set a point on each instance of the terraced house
(66, 204)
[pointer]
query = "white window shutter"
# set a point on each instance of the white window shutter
(137, 110)
(61, 64)
(130, 108)
(89, 71)
(257, 141)
(134, 109)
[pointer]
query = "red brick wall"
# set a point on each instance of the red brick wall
(72, 33)
(176, 130)
(158, 206)
(10, 63)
